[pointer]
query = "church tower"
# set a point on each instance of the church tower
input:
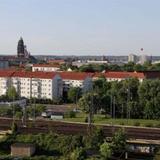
(20, 48)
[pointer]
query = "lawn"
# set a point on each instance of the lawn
(102, 119)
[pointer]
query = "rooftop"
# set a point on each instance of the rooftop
(22, 145)
(27, 74)
(46, 65)
(75, 75)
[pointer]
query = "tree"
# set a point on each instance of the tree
(37, 109)
(128, 67)
(85, 102)
(11, 93)
(90, 102)
(74, 94)
(105, 151)
(149, 96)
(14, 128)
(118, 144)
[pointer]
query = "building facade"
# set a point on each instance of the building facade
(132, 58)
(42, 85)
(22, 149)
(76, 79)
(119, 76)
(46, 67)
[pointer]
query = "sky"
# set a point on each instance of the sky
(81, 27)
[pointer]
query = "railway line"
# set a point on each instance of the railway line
(44, 126)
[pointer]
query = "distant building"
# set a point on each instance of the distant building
(120, 75)
(22, 150)
(56, 61)
(143, 59)
(132, 58)
(4, 64)
(46, 67)
(20, 49)
(97, 62)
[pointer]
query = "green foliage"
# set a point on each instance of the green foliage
(11, 93)
(118, 144)
(70, 114)
(74, 94)
(37, 109)
(148, 125)
(130, 66)
(106, 151)
(95, 139)
(14, 128)
(10, 110)
(149, 96)
(136, 123)
(78, 154)
(93, 68)
(85, 102)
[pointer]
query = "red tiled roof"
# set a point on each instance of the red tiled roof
(46, 65)
(137, 75)
(6, 73)
(75, 75)
(27, 74)
(124, 75)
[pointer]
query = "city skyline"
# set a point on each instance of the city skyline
(68, 27)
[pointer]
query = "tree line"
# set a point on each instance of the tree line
(130, 67)
(128, 98)
(54, 146)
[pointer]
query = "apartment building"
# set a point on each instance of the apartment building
(46, 67)
(43, 85)
(5, 81)
(119, 75)
(76, 79)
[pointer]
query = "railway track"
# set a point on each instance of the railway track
(44, 126)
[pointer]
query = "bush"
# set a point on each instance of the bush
(86, 120)
(121, 123)
(148, 125)
(78, 154)
(157, 125)
(136, 123)
(105, 150)
(70, 114)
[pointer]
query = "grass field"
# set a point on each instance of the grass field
(102, 119)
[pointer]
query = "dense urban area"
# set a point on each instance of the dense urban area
(77, 108)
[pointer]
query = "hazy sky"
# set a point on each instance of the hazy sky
(81, 26)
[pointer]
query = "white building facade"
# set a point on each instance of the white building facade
(46, 67)
(40, 85)
(76, 79)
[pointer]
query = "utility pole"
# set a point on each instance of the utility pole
(34, 111)
(24, 117)
(128, 99)
(13, 109)
(77, 95)
(111, 107)
(90, 116)
(114, 108)
(122, 111)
